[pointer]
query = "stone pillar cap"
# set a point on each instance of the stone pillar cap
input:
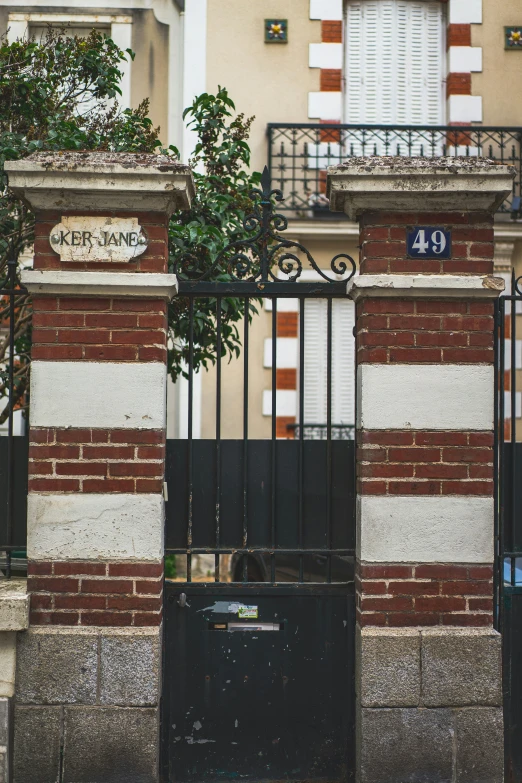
(418, 185)
(97, 181)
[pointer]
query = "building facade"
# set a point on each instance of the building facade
(359, 63)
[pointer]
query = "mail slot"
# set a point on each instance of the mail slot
(246, 626)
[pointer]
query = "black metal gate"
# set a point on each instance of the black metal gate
(258, 656)
(508, 518)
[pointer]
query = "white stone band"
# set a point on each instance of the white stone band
(98, 394)
(147, 285)
(84, 526)
(428, 529)
(425, 396)
(426, 286)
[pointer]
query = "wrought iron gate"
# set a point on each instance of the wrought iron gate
(508, 517)
(258, 657)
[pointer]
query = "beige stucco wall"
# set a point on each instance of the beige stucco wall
(498, 84)
(268, 80)
(149, 71)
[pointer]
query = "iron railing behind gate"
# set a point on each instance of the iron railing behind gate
(299, 154)
(13, 449)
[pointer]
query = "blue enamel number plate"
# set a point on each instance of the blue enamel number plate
(428, 242)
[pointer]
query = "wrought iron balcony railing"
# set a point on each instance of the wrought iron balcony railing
(320, 431)
(299, 154)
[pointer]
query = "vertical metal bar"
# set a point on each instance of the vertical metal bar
(513, 389)
(246, 323)
(301, 429)
(190, 455)
(11, 270)
(218, 438)
(274, 438)
(329, 436)
(498, 557)
(501, 455)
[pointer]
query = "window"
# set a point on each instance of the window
(316, 362)
(394, 62)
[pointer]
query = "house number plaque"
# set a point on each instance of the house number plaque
(98, 239)
(428, 242)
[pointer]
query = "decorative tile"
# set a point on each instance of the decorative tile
(276, 30)
(513, 37)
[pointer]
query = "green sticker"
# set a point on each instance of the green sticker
(248, 611)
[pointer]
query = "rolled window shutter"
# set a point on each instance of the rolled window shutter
(316, 362)
(394, 63)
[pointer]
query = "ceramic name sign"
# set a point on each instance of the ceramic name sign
(98, 239)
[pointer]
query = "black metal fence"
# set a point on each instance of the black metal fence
(13, 449)
(508, 517)
(299, 154)
(282, 508)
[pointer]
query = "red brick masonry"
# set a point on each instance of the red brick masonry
(416, 331)
(424, 594)
(331, 32)
(425, 463)
(90, 460)
(92, 329)
(87, 593)
(383, 243)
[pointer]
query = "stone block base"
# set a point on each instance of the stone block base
(440, 745)
(5, 739)
(87, 705)
(429, 705)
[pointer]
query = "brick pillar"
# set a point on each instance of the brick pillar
(89, 667)
(429, 699)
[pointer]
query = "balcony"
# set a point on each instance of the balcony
(299, 154)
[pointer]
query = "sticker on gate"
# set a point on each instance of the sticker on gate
(247, 611)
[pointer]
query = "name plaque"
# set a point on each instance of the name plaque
(98, 239)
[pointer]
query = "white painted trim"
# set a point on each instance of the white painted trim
(425, 396)
(465, 59)
(95, 526)
(286, 402)
(128, 395)
(425, 286)
(465, 108)
(92, 181)
(8, 661)
(347, 229)
(121, 34)
(146, 285)
(325, 55)
(287, 353)
(194, 64)
(428, 529)
(465, 11)
(417, 184)
(507, 403)
(14, 605)
(286, 305)
(330, 10)
(71, 18)
(325, 105)
(16, 30)
(182, 406)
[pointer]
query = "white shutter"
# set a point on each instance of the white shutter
(394, 62)
(315, 359)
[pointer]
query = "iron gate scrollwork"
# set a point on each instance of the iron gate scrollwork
(258, 652)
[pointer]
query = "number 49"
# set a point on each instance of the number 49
(437, 239)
